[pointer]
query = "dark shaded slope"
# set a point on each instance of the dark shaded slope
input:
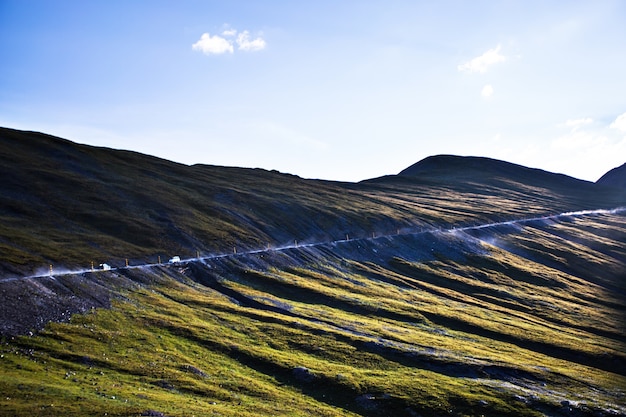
(485, 190)
(463, 165)
(455, 170)
(474, 167)
(69, 204)
(614, 178)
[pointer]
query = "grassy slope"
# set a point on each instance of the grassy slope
(491, 333)
(497, 321)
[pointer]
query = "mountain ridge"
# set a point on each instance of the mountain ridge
(143, 206)
(460, 166)
(446, 163)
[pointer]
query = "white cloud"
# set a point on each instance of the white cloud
(619, 123)
(482, 63)
(245, 44)
(487, 91)
(213, 45)
(575, 124)
(216, 44)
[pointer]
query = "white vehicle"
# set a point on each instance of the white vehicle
(105, 267)
(175, 260)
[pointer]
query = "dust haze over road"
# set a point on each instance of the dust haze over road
(52, 271)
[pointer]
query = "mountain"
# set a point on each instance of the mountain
(463, 171)
(119, 204)
(614, 178)
(479, 168)
(455, 165)
(461, 286)
(75, 204)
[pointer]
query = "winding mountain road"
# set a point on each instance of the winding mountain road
(570, 214)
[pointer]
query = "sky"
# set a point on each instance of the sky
(338, 90)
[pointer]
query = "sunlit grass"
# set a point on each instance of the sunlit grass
(496, 333)
(180, 346)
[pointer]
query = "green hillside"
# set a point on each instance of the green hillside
(461, 287)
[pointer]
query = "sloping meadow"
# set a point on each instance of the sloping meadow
(519, 319)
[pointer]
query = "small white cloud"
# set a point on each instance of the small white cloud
(487, 91)
(482, 63)
(619, 123)
(216, 44)
(245, 44)
(213, 45)
(575, 124)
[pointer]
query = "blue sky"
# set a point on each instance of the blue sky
(340, 90)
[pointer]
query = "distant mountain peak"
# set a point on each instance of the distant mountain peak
(479, 172)
(615, 177)
(457, 164)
